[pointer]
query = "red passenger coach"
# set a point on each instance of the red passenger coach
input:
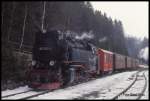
(105, 61)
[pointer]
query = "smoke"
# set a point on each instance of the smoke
(69, 33)
(102, 39)
(85, 35)
(144, 53)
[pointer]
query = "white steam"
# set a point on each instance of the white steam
(85, 35)
(102, 39)
(144, 53)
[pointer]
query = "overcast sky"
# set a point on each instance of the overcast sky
(134, 15)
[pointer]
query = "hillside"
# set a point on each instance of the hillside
(21, 20)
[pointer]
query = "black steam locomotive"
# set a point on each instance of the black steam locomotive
(60, 60)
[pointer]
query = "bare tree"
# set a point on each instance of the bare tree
(23, 28)
(43, 17)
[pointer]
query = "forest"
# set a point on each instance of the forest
(21, 20)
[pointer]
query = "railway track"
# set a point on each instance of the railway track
(25, 95)
(5, 96)
(120, 91)
(28, 94)
(31, 93)
(133, 91)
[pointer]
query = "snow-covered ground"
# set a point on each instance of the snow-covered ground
(17, 90)
(144, 66)
(146, 93)
(102, 88)
(136, 88)
(83, 89)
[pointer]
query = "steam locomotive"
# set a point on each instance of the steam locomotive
(59, 60)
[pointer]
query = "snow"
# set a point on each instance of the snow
(146, 93)
(23, 95)
(80, 90)
(17, 90)
(102, 88)
(135, 89)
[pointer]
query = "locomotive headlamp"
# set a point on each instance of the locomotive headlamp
(51, 63)
(33, 63)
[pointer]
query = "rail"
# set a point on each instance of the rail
(125, 90)
(144, 88)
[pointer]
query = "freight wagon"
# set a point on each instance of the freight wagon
(119, 62)
(128, 62)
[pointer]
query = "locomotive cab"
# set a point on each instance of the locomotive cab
(82, 60)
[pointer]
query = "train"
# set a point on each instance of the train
(59, 60)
